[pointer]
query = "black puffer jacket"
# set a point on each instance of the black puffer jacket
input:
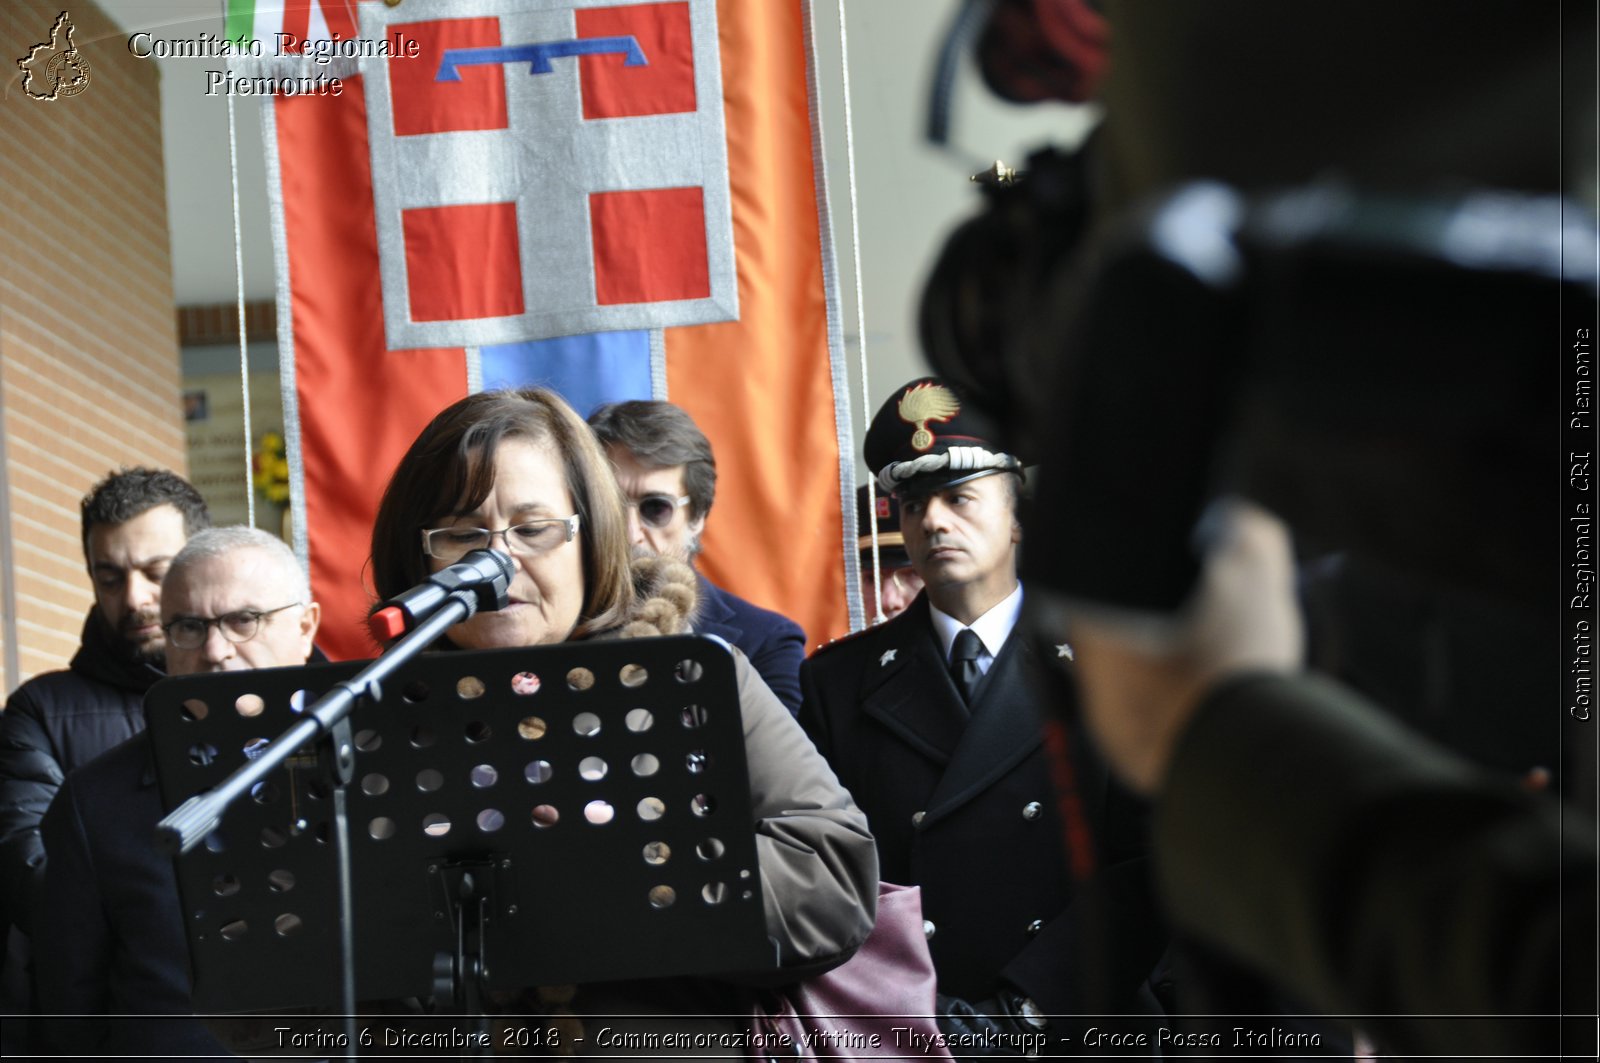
(52, 724)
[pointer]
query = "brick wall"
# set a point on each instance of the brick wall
(89, 370)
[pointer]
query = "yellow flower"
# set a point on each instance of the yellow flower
(270, 465)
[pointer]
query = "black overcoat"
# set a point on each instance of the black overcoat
(965, 808)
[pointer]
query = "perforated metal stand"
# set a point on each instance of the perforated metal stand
(553, 815)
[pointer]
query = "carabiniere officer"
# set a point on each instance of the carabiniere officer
(1036, 903)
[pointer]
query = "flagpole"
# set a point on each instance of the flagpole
(861, 308)
(238, 276)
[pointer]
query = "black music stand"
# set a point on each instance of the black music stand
(539, 816)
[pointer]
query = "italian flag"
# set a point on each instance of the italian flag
(304, 20)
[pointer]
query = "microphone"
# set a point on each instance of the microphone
(480, 580)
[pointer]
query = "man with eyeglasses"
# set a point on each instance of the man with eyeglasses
(133, 522)
(109, 931)
(669, 476)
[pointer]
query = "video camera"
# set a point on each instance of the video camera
(1382, 371)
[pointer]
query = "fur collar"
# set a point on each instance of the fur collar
(665, 599)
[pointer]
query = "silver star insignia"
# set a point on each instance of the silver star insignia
(888, 655)
(1064, 650)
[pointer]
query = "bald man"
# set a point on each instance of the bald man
(109, 932)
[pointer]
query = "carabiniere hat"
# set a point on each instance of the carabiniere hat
(923, 439)
(891, 540)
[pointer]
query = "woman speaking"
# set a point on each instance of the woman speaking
(519, 471)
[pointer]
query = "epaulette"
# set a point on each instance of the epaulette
(842, 639)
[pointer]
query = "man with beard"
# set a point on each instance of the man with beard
(134, 523)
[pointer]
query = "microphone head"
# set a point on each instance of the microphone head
(489, 564)
(493, 571)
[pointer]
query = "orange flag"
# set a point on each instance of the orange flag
(399, 292)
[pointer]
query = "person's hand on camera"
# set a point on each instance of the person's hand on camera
(991, 1028)
(1141, 682)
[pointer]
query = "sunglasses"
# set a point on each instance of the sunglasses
(657, 511)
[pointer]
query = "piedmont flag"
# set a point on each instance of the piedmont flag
(616, 200)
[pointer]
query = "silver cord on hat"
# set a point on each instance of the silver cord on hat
(956, 459)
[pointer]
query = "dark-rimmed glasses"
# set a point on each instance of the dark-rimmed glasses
(528, 539)
(191, 632)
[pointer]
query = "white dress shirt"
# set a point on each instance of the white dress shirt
(992, 628)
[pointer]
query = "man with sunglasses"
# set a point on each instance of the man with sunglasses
(109, 932)
(669, 476)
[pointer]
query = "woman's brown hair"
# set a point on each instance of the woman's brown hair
(449, 470)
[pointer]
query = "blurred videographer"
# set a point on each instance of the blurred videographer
(1316, 256)
(1307, 834)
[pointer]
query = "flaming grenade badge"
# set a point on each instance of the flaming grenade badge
(924, 403)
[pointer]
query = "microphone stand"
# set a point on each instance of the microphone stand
(328, 720)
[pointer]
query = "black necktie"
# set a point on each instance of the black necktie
(964, 663)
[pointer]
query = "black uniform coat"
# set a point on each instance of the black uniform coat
(967, 810)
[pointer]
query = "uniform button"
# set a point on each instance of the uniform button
(1032, 811)
(928, 928)
(916, 818)
(1035, 926)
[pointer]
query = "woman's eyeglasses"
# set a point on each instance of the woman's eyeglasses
(657, 511)
(191, 632)
(528, 539)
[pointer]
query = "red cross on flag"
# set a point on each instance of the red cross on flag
(558, 169)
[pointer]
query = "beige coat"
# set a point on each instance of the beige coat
(818, 864)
